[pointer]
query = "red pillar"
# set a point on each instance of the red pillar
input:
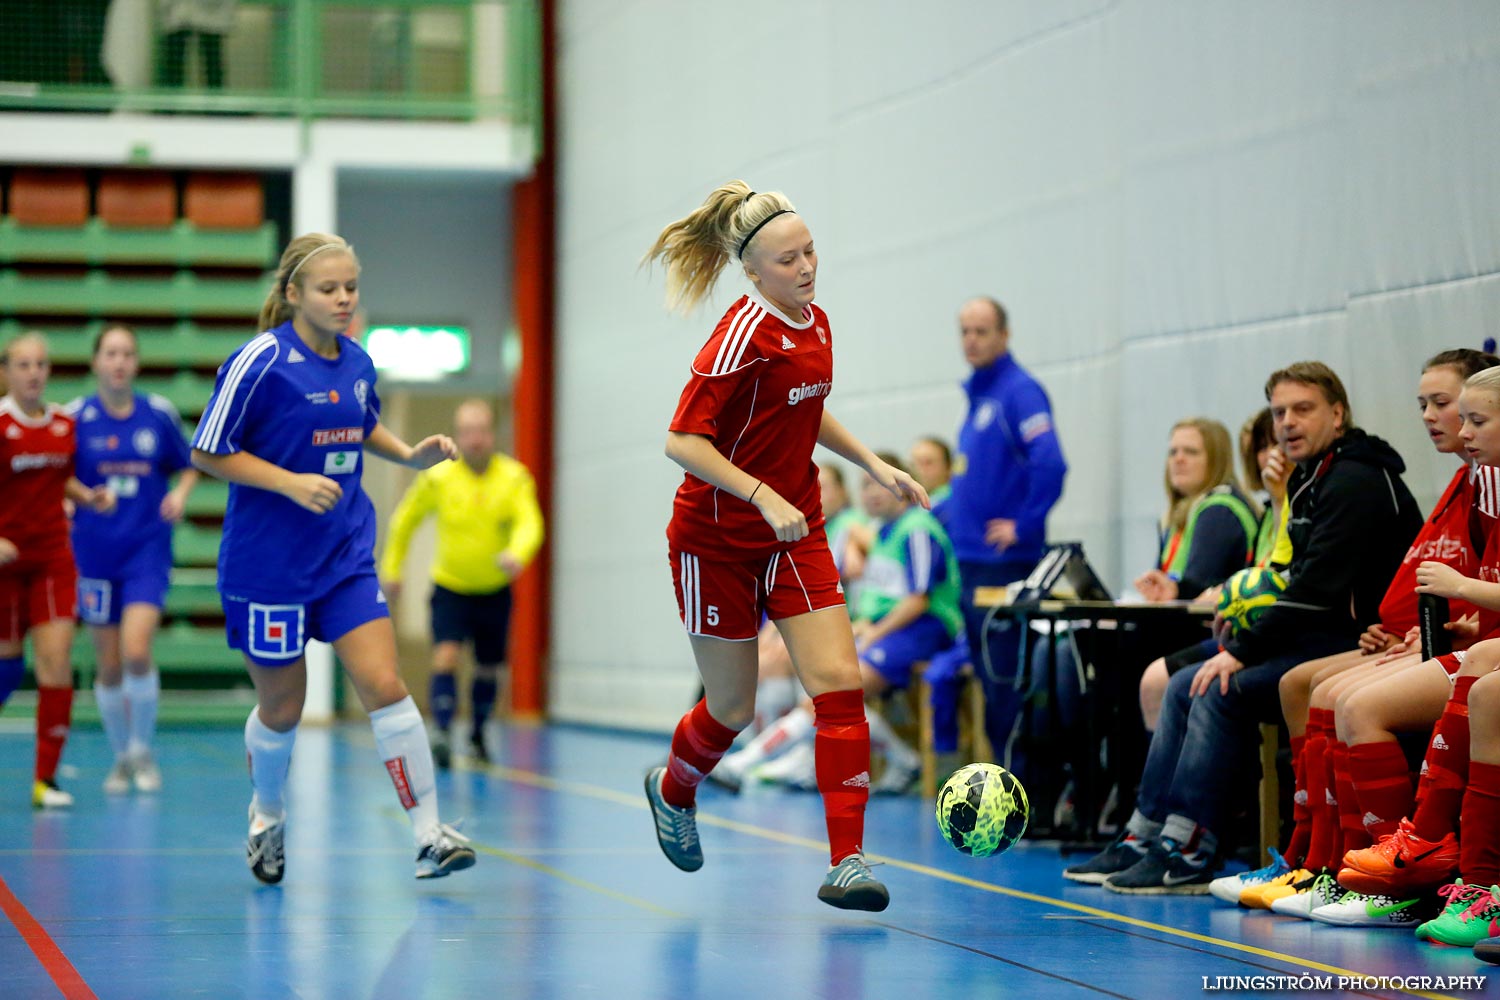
(533, 254)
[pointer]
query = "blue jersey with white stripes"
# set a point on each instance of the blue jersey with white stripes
(277, 400)
(135, 456)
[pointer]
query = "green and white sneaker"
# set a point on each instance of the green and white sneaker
(1471, 916)
(850, 886)
(1315, 893)
(1359, 910)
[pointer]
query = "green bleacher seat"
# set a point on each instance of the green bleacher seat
(98, 293)
(195, 546)
(186, 391)
(194, 593)
(98, 243)
(209, 498)
(182, 344)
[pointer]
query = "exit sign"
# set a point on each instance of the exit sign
(418, 353)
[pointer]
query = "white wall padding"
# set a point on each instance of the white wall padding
(1171, 199)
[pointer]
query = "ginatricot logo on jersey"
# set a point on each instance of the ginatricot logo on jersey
(808, 391)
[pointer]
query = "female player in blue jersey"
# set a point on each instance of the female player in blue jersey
(131, 444)
(291, 413)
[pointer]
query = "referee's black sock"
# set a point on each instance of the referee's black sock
(482, 698)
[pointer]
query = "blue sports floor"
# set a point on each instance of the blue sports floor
(149, 898)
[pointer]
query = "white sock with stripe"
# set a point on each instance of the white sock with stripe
(142, 694)
(402, 741)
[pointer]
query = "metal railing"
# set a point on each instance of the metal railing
(461, 60)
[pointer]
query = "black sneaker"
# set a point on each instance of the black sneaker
(442, 752)
(1122, 854)
(477, 751)
(265, 847)
(1488, 950)
(1164, 871)
(447, 851)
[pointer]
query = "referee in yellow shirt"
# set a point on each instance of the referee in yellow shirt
(488, 528)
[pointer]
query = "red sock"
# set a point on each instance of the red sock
(54, 714)
(1296, 847)
(1479, 847)
(842, 747)
(1352, 835)
(697, 745)
(1447, 764)
(1382, 786)
(1322, 828)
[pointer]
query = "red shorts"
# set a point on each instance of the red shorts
(726, 600)
(34, 593)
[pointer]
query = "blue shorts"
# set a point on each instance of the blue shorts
(142, 579)
(274, 635)
(893, 656)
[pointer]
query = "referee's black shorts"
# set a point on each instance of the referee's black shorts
(483, 619)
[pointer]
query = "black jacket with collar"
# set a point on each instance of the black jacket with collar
(1352, 520)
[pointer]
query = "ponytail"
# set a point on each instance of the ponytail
(696, 249)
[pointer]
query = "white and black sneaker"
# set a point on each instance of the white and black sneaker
(265, 848)
(446, 852)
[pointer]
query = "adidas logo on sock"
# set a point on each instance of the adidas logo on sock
(860, 780)
(786, 343)
(1438, 743)
(1370, 819)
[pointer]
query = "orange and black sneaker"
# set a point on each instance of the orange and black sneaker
(1402, 865)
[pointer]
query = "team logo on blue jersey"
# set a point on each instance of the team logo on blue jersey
(145, 441)
(984, 416)
(93, 601)
(362, 393)
(276, 630)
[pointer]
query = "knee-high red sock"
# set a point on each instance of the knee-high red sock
(1323, 828)
(1296, 846)
(54, 715)
(697, 744)
(1447, 766)
(1479, 845)
(842, 746)
(1382, 786)
(1351, 819)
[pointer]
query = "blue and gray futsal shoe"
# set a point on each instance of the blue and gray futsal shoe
(850, 886)
(676, 829)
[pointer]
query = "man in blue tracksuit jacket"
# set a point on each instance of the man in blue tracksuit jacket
(1006, 476)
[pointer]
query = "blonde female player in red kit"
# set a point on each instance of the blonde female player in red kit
(746, 536)
(38, 583)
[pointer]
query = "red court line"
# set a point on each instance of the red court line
(44, 948)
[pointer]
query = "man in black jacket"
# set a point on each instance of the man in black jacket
(1352, 519)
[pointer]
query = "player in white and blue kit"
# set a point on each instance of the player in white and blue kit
(291, 413)
(131, 444)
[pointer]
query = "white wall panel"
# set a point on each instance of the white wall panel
(1171, 199)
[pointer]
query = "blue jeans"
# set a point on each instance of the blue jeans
(1201, 742)
(995, 652)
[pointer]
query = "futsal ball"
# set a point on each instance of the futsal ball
(1247, 594)
(982, 810)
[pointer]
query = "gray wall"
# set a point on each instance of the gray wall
(1172, 199)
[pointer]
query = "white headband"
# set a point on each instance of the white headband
(309, 256)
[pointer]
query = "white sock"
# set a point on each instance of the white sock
(776, 697)
(270, 759)
(402, 741)
(111, 702)
(786, 732)
(884, 738)
(142, 693)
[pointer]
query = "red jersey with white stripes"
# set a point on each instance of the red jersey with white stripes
(36, 462)
(757, 393)
(1447, 537)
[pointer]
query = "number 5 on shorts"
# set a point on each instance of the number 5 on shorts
(713, 614)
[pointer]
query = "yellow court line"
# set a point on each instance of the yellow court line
(638, 802)
(537, 866)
